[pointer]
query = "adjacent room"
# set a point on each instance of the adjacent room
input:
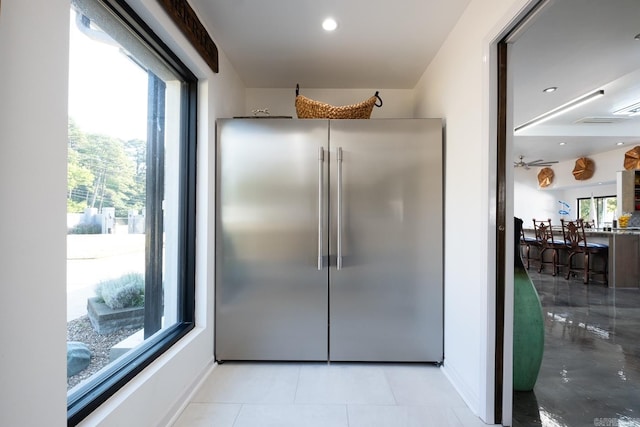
(574, 188)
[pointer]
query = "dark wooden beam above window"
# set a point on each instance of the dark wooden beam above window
(186, 19)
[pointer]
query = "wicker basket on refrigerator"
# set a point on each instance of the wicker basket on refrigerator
(307, 108)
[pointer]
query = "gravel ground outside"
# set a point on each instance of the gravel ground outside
(92, 258)
(80, 329)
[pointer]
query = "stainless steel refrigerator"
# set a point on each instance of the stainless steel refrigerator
(329, 240)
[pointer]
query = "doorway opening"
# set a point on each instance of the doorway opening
(590, 371)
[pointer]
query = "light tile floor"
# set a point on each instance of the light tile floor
(326, 395)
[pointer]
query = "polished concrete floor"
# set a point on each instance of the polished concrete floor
(590, 374)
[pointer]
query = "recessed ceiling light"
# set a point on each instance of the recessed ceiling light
(563, 143)
(329, 24)
(619, 143)
(550, 89)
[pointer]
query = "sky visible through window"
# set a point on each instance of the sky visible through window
(109, 100)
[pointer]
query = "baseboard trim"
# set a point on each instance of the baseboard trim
(183, 401)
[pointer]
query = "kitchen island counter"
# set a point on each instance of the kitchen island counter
(623, 257)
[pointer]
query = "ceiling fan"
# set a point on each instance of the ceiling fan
(535, 163)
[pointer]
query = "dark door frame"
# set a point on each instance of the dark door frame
(502, 223)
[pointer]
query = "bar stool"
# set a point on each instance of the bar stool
(526, 243)
(576, 244)
(546, 243)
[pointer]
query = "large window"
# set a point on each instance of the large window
(130, 201)
(598, 211)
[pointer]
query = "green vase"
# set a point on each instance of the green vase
(528, 324)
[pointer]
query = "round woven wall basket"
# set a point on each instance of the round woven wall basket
(632, 158)
(545, 177)
(584, 169)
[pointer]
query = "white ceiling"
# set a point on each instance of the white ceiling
(577, 45)
(378, 44)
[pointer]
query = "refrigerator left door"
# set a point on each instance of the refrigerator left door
(271, 296)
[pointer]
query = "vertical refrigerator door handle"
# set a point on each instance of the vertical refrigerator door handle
(339, 223)
(320, 203)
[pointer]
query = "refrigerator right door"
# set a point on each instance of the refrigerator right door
(386, 215)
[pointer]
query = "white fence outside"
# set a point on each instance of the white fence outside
(109, 224)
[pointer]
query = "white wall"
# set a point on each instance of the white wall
(33, 148)
(397, 103)
(531, 201)
(458, 86)
(571, 195)
(606, 165)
